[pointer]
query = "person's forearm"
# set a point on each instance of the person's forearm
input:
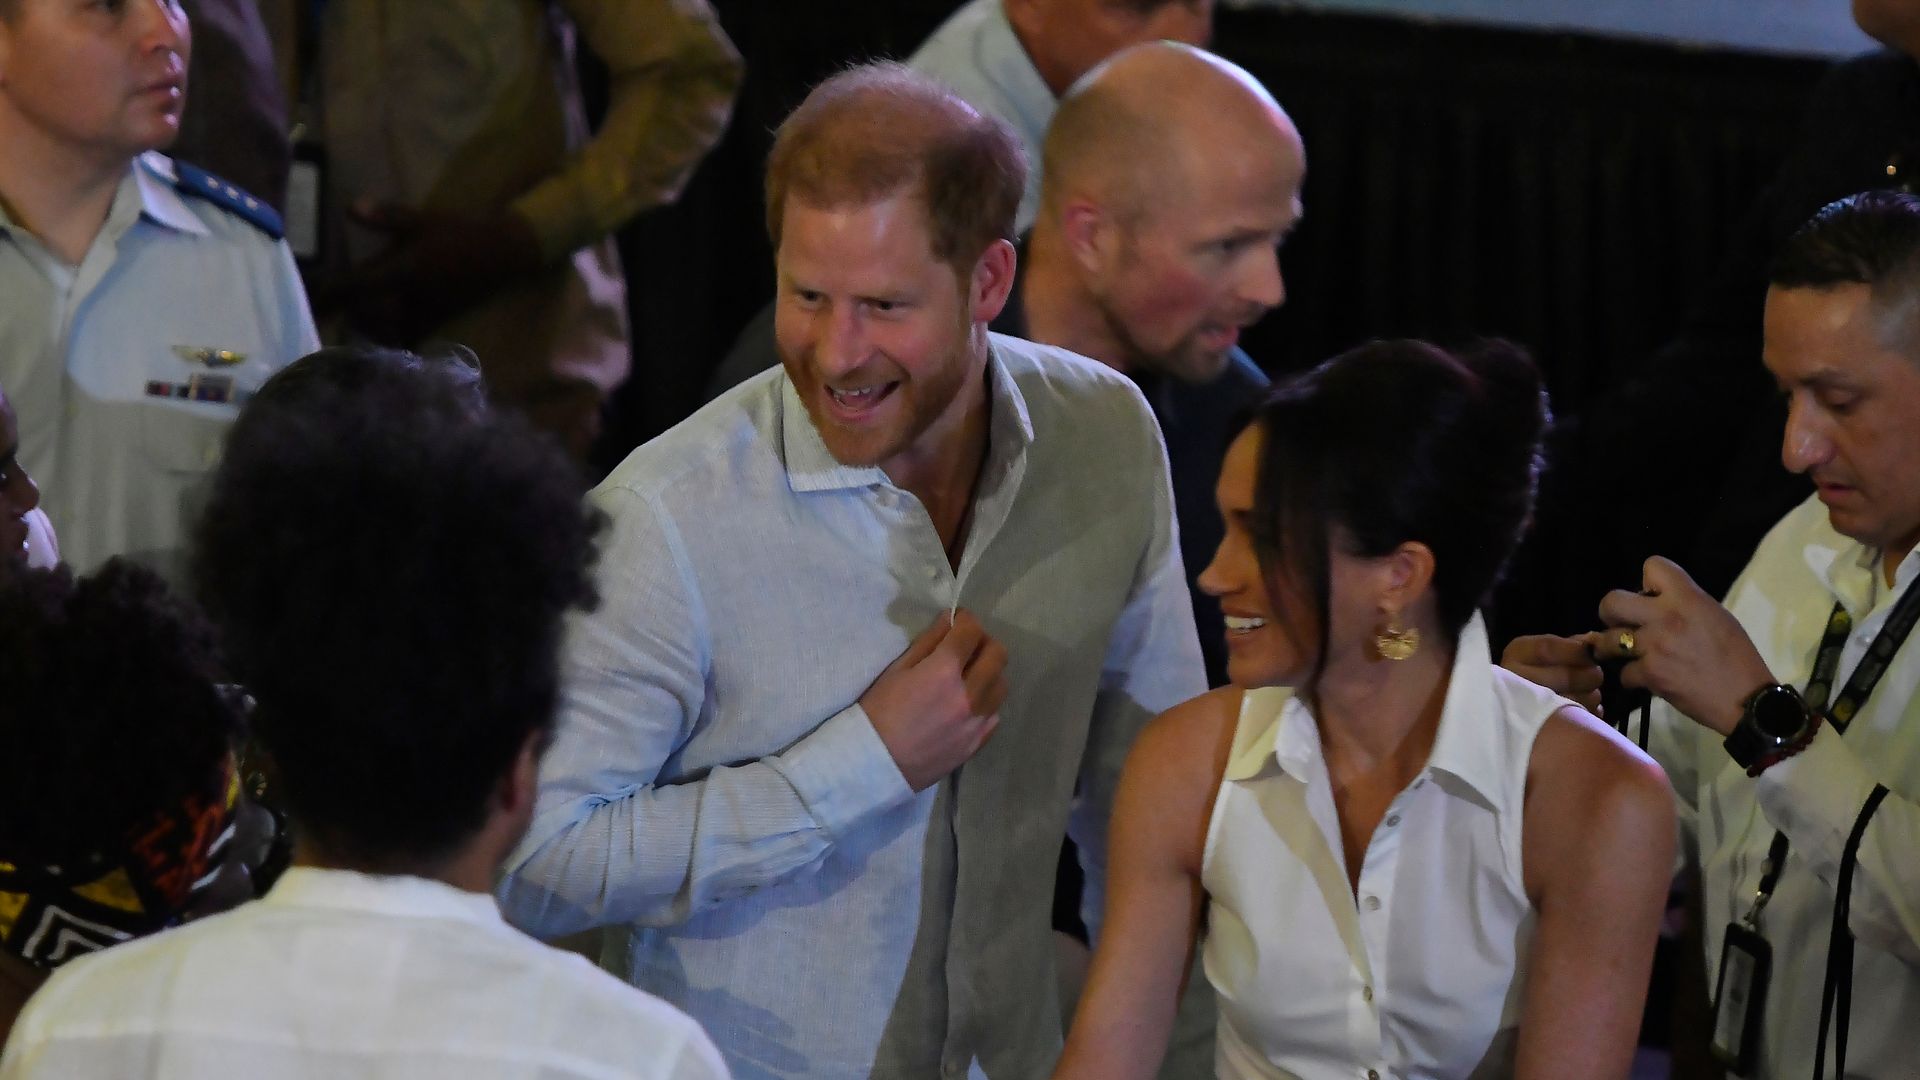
(656, 854)
(672, 79)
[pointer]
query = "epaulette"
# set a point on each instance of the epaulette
(201, 184)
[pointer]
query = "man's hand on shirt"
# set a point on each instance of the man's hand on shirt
(936, 704)
(1564, 665)
(438, 264)
(1687, 648)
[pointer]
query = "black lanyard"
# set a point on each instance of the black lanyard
(1866, 675)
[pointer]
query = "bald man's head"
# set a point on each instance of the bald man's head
(1135, 129)
(1171, 176)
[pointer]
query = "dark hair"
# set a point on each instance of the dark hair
(877, 129)
(1872, 238)
(110, 710)
(389, 562)
(1397, 441)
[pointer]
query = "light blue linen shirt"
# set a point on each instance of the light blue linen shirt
(977, 54)
(716, 792)
(96, 359)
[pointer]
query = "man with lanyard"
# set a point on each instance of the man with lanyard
(1803, 803)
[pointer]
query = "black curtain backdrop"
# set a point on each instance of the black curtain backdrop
(1562, 191)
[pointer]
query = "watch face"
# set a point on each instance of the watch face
(1779, 713)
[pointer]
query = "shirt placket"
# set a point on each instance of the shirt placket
(926, 560)
(1374, 903)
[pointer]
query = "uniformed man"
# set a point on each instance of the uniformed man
(141, 300)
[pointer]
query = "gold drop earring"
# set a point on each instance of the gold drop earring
(1394, 643)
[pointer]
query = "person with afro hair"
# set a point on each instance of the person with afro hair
(120, 805)
(389, 562)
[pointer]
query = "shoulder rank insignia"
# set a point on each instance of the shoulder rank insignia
(201, 184)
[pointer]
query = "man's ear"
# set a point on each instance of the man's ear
(992, 282)
(1091, 235)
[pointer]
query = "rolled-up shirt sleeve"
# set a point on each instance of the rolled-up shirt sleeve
(611, 841)
(1815, 797)
(672, 76)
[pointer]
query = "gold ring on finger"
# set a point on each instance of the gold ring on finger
(1626, 641)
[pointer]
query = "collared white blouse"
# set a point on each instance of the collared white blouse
(1421, 972)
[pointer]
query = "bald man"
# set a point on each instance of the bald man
(1172, 176)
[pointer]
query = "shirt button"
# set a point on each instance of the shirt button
(1366, 994)
(1392, 820)
(1373, 1074)
(1373, 903)
(1420, 783)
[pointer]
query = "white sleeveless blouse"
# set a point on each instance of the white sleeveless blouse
(1422, 975)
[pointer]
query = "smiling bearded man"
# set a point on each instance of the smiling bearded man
(822, 594)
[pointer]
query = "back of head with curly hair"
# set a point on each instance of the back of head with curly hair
(109, 710)
(389, 563)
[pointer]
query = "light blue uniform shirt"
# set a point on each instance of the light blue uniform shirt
(107, 363)
(716, 793)
(977, 54)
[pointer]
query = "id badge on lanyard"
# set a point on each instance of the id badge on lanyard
(1740, 998)
(1746, 963)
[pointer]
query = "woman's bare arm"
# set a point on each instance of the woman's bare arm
(1154, 898)
(1598, 842)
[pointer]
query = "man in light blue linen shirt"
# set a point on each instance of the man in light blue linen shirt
(824, 592)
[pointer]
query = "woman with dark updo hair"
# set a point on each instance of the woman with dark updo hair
(1409, 862)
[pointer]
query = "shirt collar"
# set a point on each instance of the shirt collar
(812, 467)
(1851, 570)
(1466, 747)
(1004, 61)
(160, 201)
(381, 894)
(146, 190)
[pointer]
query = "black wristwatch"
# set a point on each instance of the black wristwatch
(1774, 723)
